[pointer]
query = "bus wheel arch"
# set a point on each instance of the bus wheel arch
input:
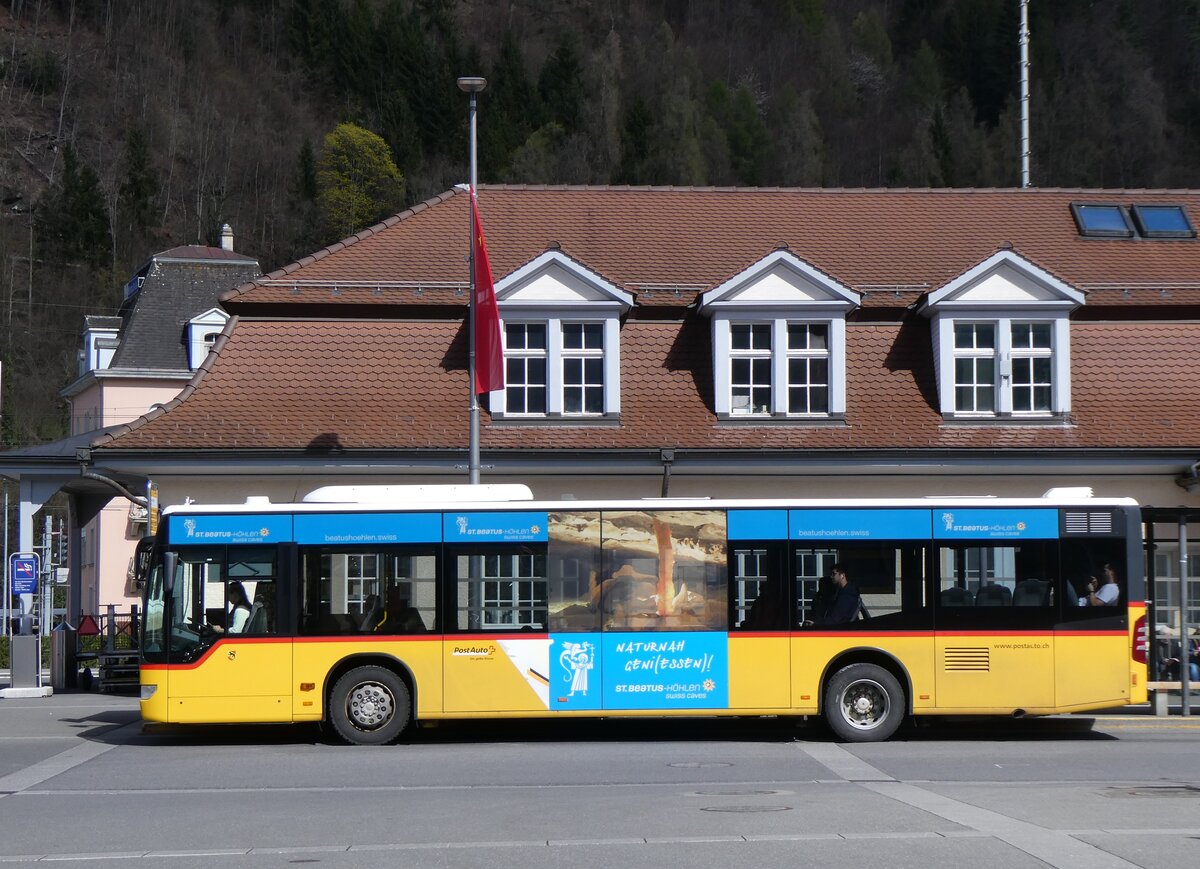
(370, 699)
(865, 695)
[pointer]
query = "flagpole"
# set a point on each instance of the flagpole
(472, 85)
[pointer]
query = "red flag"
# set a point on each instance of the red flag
(489, 356)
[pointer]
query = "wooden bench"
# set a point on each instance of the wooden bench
(1160, 693)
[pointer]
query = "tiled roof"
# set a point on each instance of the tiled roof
(174, 290)
(668, 244)
(368, 385)
(312, 366)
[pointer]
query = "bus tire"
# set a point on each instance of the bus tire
(863, 703)
(369, 706)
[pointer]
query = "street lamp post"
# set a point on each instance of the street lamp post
(472, 85)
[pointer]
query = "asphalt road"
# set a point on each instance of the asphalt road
(82, 782)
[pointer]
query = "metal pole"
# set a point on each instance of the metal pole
(7, 578)
(472, 85)
(1024, 42)
(1185, 701)
(474, 459)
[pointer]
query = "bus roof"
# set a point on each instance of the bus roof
(348, 499)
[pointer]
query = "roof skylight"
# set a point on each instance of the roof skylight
(1106, 220)
(1162, 221)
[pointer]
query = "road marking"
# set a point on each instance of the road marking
(65, 760)
(1088, 854)
(1055, 847)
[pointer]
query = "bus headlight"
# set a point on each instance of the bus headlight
(147, 692)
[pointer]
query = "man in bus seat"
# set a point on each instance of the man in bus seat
(840, 606)
(1102, 591)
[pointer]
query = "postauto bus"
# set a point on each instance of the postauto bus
(375, 608)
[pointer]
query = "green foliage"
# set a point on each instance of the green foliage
(73, 216)
(510, 108)
(140, 185)
(357, 182)
(561, 84)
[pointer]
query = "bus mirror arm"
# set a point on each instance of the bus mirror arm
(170, 561)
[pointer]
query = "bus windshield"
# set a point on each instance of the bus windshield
(217, 591)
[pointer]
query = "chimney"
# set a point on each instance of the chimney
(226, 237)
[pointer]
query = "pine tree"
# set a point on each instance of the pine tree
(73, 215)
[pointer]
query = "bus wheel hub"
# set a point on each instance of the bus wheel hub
(370, 705)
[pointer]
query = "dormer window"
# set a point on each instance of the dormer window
(1001, 342)
(779, 342)
(562, 352)
(203, 330)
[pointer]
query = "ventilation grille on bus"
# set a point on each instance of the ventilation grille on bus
(967, 660)
(1089, 523)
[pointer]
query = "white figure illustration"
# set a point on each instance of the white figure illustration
(577, 657)
(948, 519)
(461, 522)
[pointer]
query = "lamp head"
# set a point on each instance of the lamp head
(471, 84)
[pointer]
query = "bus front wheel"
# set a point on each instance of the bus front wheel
(369, 706)
(863, 703)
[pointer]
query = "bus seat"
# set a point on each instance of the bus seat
(257, 622)
(1032, 592)
(993, 594)
(956, 596)
(373, 609)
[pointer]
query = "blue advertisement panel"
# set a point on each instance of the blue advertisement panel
(575, 681)
(1021, 523)
(859, 524)
(666, 670)
(239, 528)
(758, 524)
(524, 527)
(352, 528)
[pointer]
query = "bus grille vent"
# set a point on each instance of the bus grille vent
(1089, 523)
(968, 659)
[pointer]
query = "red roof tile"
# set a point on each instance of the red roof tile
(354, 384)
(668, 244)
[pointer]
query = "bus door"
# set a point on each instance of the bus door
(761, 605)
(495, 657)
(229, 662)
(1100, 577)
(995, 611)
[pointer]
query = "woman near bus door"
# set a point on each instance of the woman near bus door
(239, 608)
(1103, 591)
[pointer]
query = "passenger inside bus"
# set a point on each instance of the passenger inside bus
(1102, 590)
(840, 605)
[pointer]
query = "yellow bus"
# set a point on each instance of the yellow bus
(375, 608)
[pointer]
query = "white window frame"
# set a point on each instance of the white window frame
(808, 355)
(1007, 290)
(780, 290)
(555, 356)
(555, 290)
(1004, 354)
(780, 354)
(525, 354)
(203, 331)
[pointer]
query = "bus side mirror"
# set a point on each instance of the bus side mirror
(170, 562)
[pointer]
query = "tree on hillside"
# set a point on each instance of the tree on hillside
(72, 214)
(358, 183)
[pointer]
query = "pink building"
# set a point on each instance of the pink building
(131, 362)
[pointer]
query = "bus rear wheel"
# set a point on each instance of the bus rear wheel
(863, 703)
(369, 706)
